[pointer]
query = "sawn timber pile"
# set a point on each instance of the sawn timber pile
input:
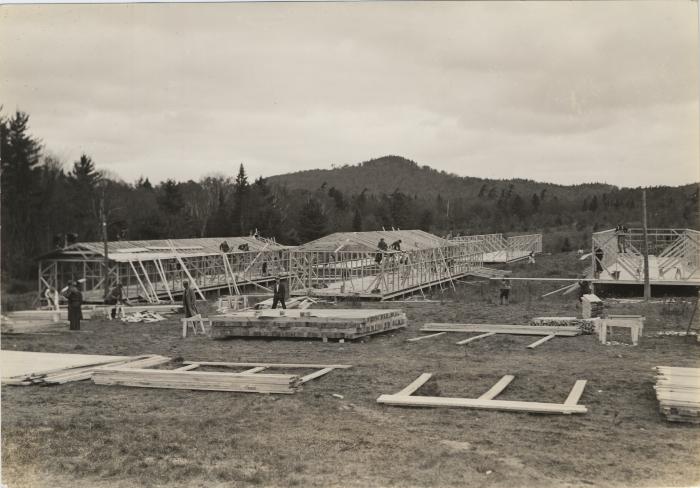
(311, 323)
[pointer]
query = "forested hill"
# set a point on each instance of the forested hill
(390, 173)
(47, 202)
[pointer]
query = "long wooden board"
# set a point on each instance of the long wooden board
(426, 401)
(502, 329)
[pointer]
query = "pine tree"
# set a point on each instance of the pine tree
(312, 221)
(240, 201)
(357, 221)
(20, 200)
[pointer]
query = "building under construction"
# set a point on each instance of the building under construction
(496, 248)
(155, 270)
(350, 264)
(674, 257)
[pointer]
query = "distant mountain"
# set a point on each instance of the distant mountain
(390, 173)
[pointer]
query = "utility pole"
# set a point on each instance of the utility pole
(645, 247)
(103, 215)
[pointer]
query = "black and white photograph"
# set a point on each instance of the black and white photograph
(362, 244)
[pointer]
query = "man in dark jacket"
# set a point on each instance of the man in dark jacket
(75, 301)
(279, 293)
(189, 300)
(116, 298)
(382, 246)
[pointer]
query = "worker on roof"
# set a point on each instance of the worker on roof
(382, 248)
(224, 247)
(396, 245)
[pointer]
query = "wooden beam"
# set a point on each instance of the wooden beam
(481, 336)
(414, 339)
(426, 401)
(497, 388)
(271, 365)
(187, 367)
(257, 369)
(410, 389)
(316, 374)
(575, 393)
(563, 330)
(540, 341)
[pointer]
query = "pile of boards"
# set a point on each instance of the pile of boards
(586, 326)
(77, 366)
(317, 323)
(678, 392)
(143, 317)
(198, 380)
(591, 306)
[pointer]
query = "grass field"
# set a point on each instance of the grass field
(84, 435)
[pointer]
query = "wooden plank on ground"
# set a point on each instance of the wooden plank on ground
(562, 330)
(257, 369)
(414, 339)
(271, 365)
(475, 338)
(187, 367)
(575, 393)
(417, 383)
(534, 407)
(497, 388)
(540, 341)
(315, 374)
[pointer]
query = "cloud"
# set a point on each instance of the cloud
(557, 91)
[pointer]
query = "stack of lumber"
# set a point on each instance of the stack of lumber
(503, 329)
(678, 392)
(586, 326)
(143, 317)
(59, 376)
(317, 323)
(591, 306)
(196, 380)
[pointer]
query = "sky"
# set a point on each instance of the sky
(562, 92)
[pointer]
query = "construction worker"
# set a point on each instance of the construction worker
(224, 247)
(278, 293)
(189, 300)
(382, 249)
(116, 298)
(505, 291)
(75, 302)
(396, 245)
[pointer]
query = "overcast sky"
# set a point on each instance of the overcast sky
(563, 92)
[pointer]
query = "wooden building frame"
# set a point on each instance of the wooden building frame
(350, 264)
(497, 248)
(674, 257)
(154, 271)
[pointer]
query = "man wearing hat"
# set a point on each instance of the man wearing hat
(75, 301)
(279, 293)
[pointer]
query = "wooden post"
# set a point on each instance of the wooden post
(645, 247)
(103, 214)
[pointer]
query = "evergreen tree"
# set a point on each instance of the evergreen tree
(240, 201)
(357, 220)
(20, 200)
(312, 221)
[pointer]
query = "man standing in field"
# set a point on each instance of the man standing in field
(505, 291)
(189, 300)
(75, 301)
(279, 293)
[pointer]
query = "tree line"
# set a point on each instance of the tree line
(47, 203)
